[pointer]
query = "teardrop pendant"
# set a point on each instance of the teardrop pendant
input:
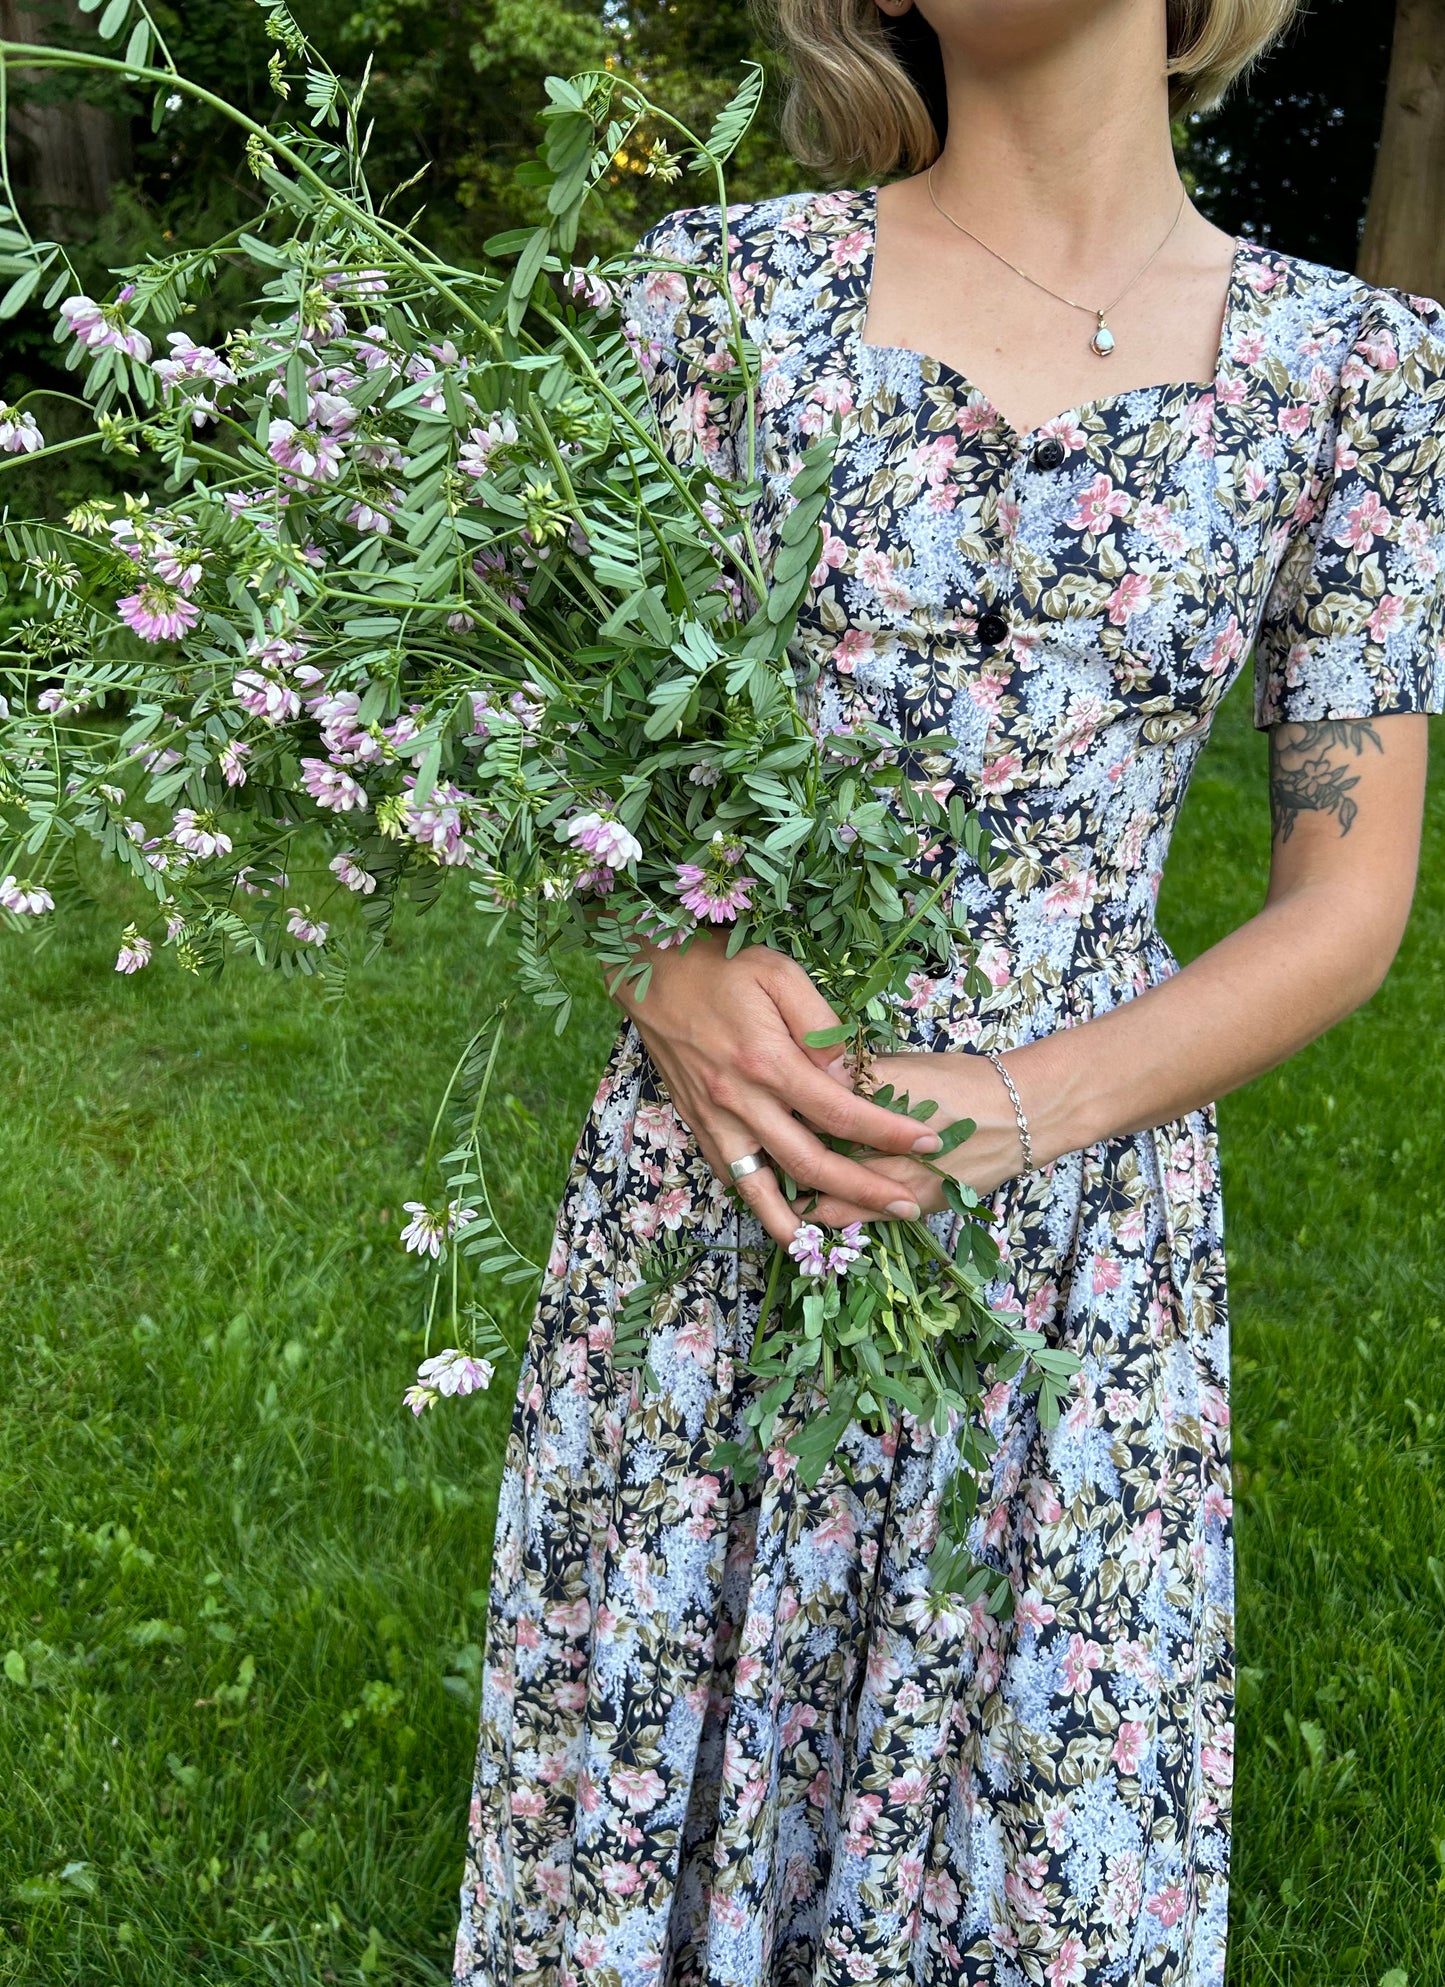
(1102, 341)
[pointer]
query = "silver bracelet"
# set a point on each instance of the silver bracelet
(1023, 1124)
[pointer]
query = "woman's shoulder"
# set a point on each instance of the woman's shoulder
(787, 229)
(1336, 319)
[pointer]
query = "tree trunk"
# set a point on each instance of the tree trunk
(65, 155)
(1404, 238)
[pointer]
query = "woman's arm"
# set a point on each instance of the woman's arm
(1346, 799)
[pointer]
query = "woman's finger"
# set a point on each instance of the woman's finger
(764, 1197)
(843, 1114)
(813, 1165)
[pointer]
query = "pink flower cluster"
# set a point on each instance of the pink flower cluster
(19, 434)
(717, 892)
(26, 900)
(264, 690)
(101, 327)
(189, 364)
(450, 1372)
(160, 609)
(815, 1255)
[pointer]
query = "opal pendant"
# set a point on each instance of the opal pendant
(1102, 341)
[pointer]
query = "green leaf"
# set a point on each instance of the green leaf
(297, 398)
(829, 1038)
(731, 123)
(15, 1667)
(138, 48)
(524, 276)
(426, 777)
(19, 293)
(816, 1443)
(508, 242)
(113, 19)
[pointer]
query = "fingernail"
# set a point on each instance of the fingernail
(929, 1142)
(906, 1210)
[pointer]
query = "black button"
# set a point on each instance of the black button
(992, 628)
(1049, 453)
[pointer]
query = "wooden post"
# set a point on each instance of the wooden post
(66, 156)
(1404, 238)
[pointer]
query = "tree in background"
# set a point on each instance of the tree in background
(1404, 241)
(1287, 159)
(456, 85)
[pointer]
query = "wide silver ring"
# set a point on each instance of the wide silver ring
(751, 1162)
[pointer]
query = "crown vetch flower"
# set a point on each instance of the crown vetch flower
(333, 787)
(714, 890)
(349, 871)
(302, 926)
(316, 457)
(603, 836)
(197, 831)
(135, 951)
(101, 327)
(429, 1228)
(806, 1249)
(818, 1254)
(158, 613)
(19, 434)
(26, 900)
(262, 696)
(455, 1372)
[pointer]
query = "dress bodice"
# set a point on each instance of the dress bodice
(1070, 606)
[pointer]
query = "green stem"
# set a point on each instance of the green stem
(769, 1292)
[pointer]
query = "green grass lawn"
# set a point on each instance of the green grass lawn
(242, 1591)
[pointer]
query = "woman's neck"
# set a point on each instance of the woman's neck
(1062, 151)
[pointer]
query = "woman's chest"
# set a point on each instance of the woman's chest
(1029, 593)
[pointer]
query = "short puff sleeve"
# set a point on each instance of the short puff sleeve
(679, 325)
(1354, 626)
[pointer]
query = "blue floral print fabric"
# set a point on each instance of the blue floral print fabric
(729, 1737)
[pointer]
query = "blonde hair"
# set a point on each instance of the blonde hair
(854, 101)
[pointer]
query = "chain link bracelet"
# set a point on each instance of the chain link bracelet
(1023, 1124)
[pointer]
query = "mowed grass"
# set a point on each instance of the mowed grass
(242, 1591)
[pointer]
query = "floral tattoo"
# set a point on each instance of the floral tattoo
(1306, 776)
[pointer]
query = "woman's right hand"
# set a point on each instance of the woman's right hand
(725, 1035)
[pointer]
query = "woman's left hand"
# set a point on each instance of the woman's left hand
(962, 1085)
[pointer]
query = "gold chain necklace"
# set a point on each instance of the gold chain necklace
(1103, 340)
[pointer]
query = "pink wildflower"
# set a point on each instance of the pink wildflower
(456, 1372)
(304, 452)
(135, 951)
(604, 837)
(158, 613)
(303, 927)
(429, 1228)
(26, 900)
(18, 433)
(331, 786)
(806, 1249)
(196, 831)
(349, 871)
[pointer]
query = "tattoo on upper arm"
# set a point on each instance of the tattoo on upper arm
(1309, 771)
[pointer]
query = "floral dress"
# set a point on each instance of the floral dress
(729, 1737)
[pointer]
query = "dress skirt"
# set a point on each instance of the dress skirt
(731, 1739)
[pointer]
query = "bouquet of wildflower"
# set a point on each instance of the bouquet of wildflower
(420, 599)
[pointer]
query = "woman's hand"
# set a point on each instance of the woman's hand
(962, 1086)
(726, 1034)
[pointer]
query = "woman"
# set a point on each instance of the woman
(728, 1735)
